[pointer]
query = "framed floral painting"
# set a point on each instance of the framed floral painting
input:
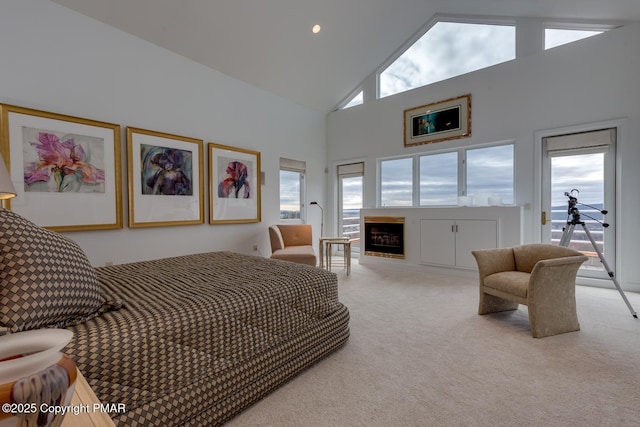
(234, 185)
(165, 179)
(66, 170)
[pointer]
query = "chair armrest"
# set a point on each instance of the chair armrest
(544, 263)
(275, 237)
(492, 261)
(549, 276)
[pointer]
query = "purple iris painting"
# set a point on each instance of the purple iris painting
(166, 171)
(235, 184)
(56, 162)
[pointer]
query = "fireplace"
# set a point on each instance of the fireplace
(384, 236)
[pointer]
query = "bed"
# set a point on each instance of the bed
(188, 340)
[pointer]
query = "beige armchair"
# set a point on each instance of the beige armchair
(540, 276)
(292, 242)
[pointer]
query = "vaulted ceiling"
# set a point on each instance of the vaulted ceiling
(269, 43)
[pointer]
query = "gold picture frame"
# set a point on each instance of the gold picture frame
(234, 185)
(66, 170)
(166, 179)
(438, 121)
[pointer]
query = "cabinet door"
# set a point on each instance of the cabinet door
(472, 235)
(437, 242)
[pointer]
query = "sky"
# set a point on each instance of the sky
(583, 172)
(289, 190)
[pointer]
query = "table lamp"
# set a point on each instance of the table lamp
(7, 190)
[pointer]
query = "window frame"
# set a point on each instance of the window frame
(513, 163)
(379, 180)
(299, 167)
(461, 172)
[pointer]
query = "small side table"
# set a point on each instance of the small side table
(322, 247)
(346, 244)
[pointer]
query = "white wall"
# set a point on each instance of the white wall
(592, 80)
(57, 60)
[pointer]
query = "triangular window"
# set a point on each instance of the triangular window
(356, 100)
(447, 50)
(557, 36)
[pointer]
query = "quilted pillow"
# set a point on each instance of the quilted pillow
(45, 278)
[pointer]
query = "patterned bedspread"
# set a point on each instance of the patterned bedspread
(201, 337)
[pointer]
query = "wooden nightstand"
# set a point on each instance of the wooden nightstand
(83, 395)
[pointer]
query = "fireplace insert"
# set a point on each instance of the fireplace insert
(384, 236)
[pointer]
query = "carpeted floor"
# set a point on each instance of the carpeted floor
(419, 355)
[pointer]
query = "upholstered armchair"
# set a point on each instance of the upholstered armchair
(540, 276)
(292, 242)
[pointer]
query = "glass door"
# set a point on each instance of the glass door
(586, 173)
(350, 179)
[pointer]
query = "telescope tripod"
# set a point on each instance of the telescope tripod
(566, 238)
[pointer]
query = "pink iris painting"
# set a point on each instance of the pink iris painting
(235, 184)
(62, 163)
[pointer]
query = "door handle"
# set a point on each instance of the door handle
(544, 218)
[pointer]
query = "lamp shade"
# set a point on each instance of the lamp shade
(7, 190)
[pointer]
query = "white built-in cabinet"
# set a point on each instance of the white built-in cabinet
(449, 243)
(443, 237)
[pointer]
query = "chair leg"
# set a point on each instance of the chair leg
(492, 304)
(348, 249)
(546, 321)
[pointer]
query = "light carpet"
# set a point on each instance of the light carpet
(419, 355)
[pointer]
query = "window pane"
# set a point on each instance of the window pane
(439, 179)
(490, 172)
(351, 205)
(396, 182)
(447, 50)
(356, 100)
(557, 37)
(290, 195)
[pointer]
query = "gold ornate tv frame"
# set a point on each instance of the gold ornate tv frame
(438, 121)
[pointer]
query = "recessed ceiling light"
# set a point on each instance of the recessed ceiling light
(316, 29)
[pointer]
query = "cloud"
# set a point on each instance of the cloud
(583, 172)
